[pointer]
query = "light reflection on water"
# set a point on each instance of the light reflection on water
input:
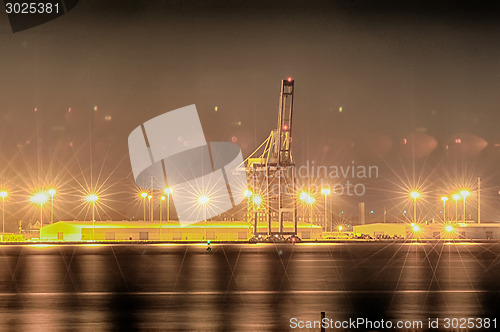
(242, 287)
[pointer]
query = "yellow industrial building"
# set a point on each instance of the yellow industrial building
(166, 231)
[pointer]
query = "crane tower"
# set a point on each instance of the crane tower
(271, 175)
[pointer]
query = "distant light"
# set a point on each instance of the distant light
(340, 228)
(144, 194)
(303, 196)
(326, 191)
(449, 228)
(340, 109)
(39, 198)
(162, 198)
(92, 198)
(150, 196)
(203, 200)
(289, 79)
(168, 190)
(107, 118)
(456, 197)
(95, 108)
(464, 193)
(248, 193)
(216, 108)
(52, 192)
(69, 109)
(4, 194)
(285, 127)
(416, 228)
(444, 198)
(257, 200)
(404, 212)
(458, 140)
(415, 194)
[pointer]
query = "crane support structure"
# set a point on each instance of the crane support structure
(271, 175)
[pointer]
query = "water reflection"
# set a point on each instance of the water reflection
(242, 287)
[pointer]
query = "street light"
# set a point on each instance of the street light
(52, 192)
(40, 198)
(310, 200)
(456, 197)
(257, 200)
(444, 199)
(149, 202)
(168, 191)
(203, 200)
(303, 198)
(144, 195)
(415, 195)
(92, 198)
(326, 192)
(464, 194)
(162, 198)
(3, 194)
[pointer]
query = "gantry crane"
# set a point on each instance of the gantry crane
(271, 175)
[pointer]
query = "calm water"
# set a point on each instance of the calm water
(242, 287)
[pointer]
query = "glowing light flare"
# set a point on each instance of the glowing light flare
(444, 198)
(203, 200)
(4, 194)
(416, 228)
(168, 191)
(92, 198)
(340, 228)
(39, 198)
(465, 193)
(52, 192)
(257, 200)
(144, 194)
(162, 198)
(449, 228)
(326, 191)
(456, 197)
(247, 193)
(415, 194)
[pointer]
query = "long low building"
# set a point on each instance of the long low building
(166, 231)
(451, 230)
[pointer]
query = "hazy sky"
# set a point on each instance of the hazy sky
(417, 82)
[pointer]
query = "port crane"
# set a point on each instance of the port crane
(271, 174)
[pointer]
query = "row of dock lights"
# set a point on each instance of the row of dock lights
(463, 194)
(167, 191)
(41, 198)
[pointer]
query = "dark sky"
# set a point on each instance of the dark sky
(413, 78)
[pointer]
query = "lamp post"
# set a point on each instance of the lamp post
(144, 195)
(310, 200)
(149, 202)
(92, 198)
(444, 199)
(168, 191)
(456, 197)
(40, 198)
(52, 192)
(415, 195)
(464, 194)
(3, 194)
(326, 192)
(162, 198)
(303, 198)
(203, 201)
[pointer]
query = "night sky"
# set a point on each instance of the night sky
(416, 83)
